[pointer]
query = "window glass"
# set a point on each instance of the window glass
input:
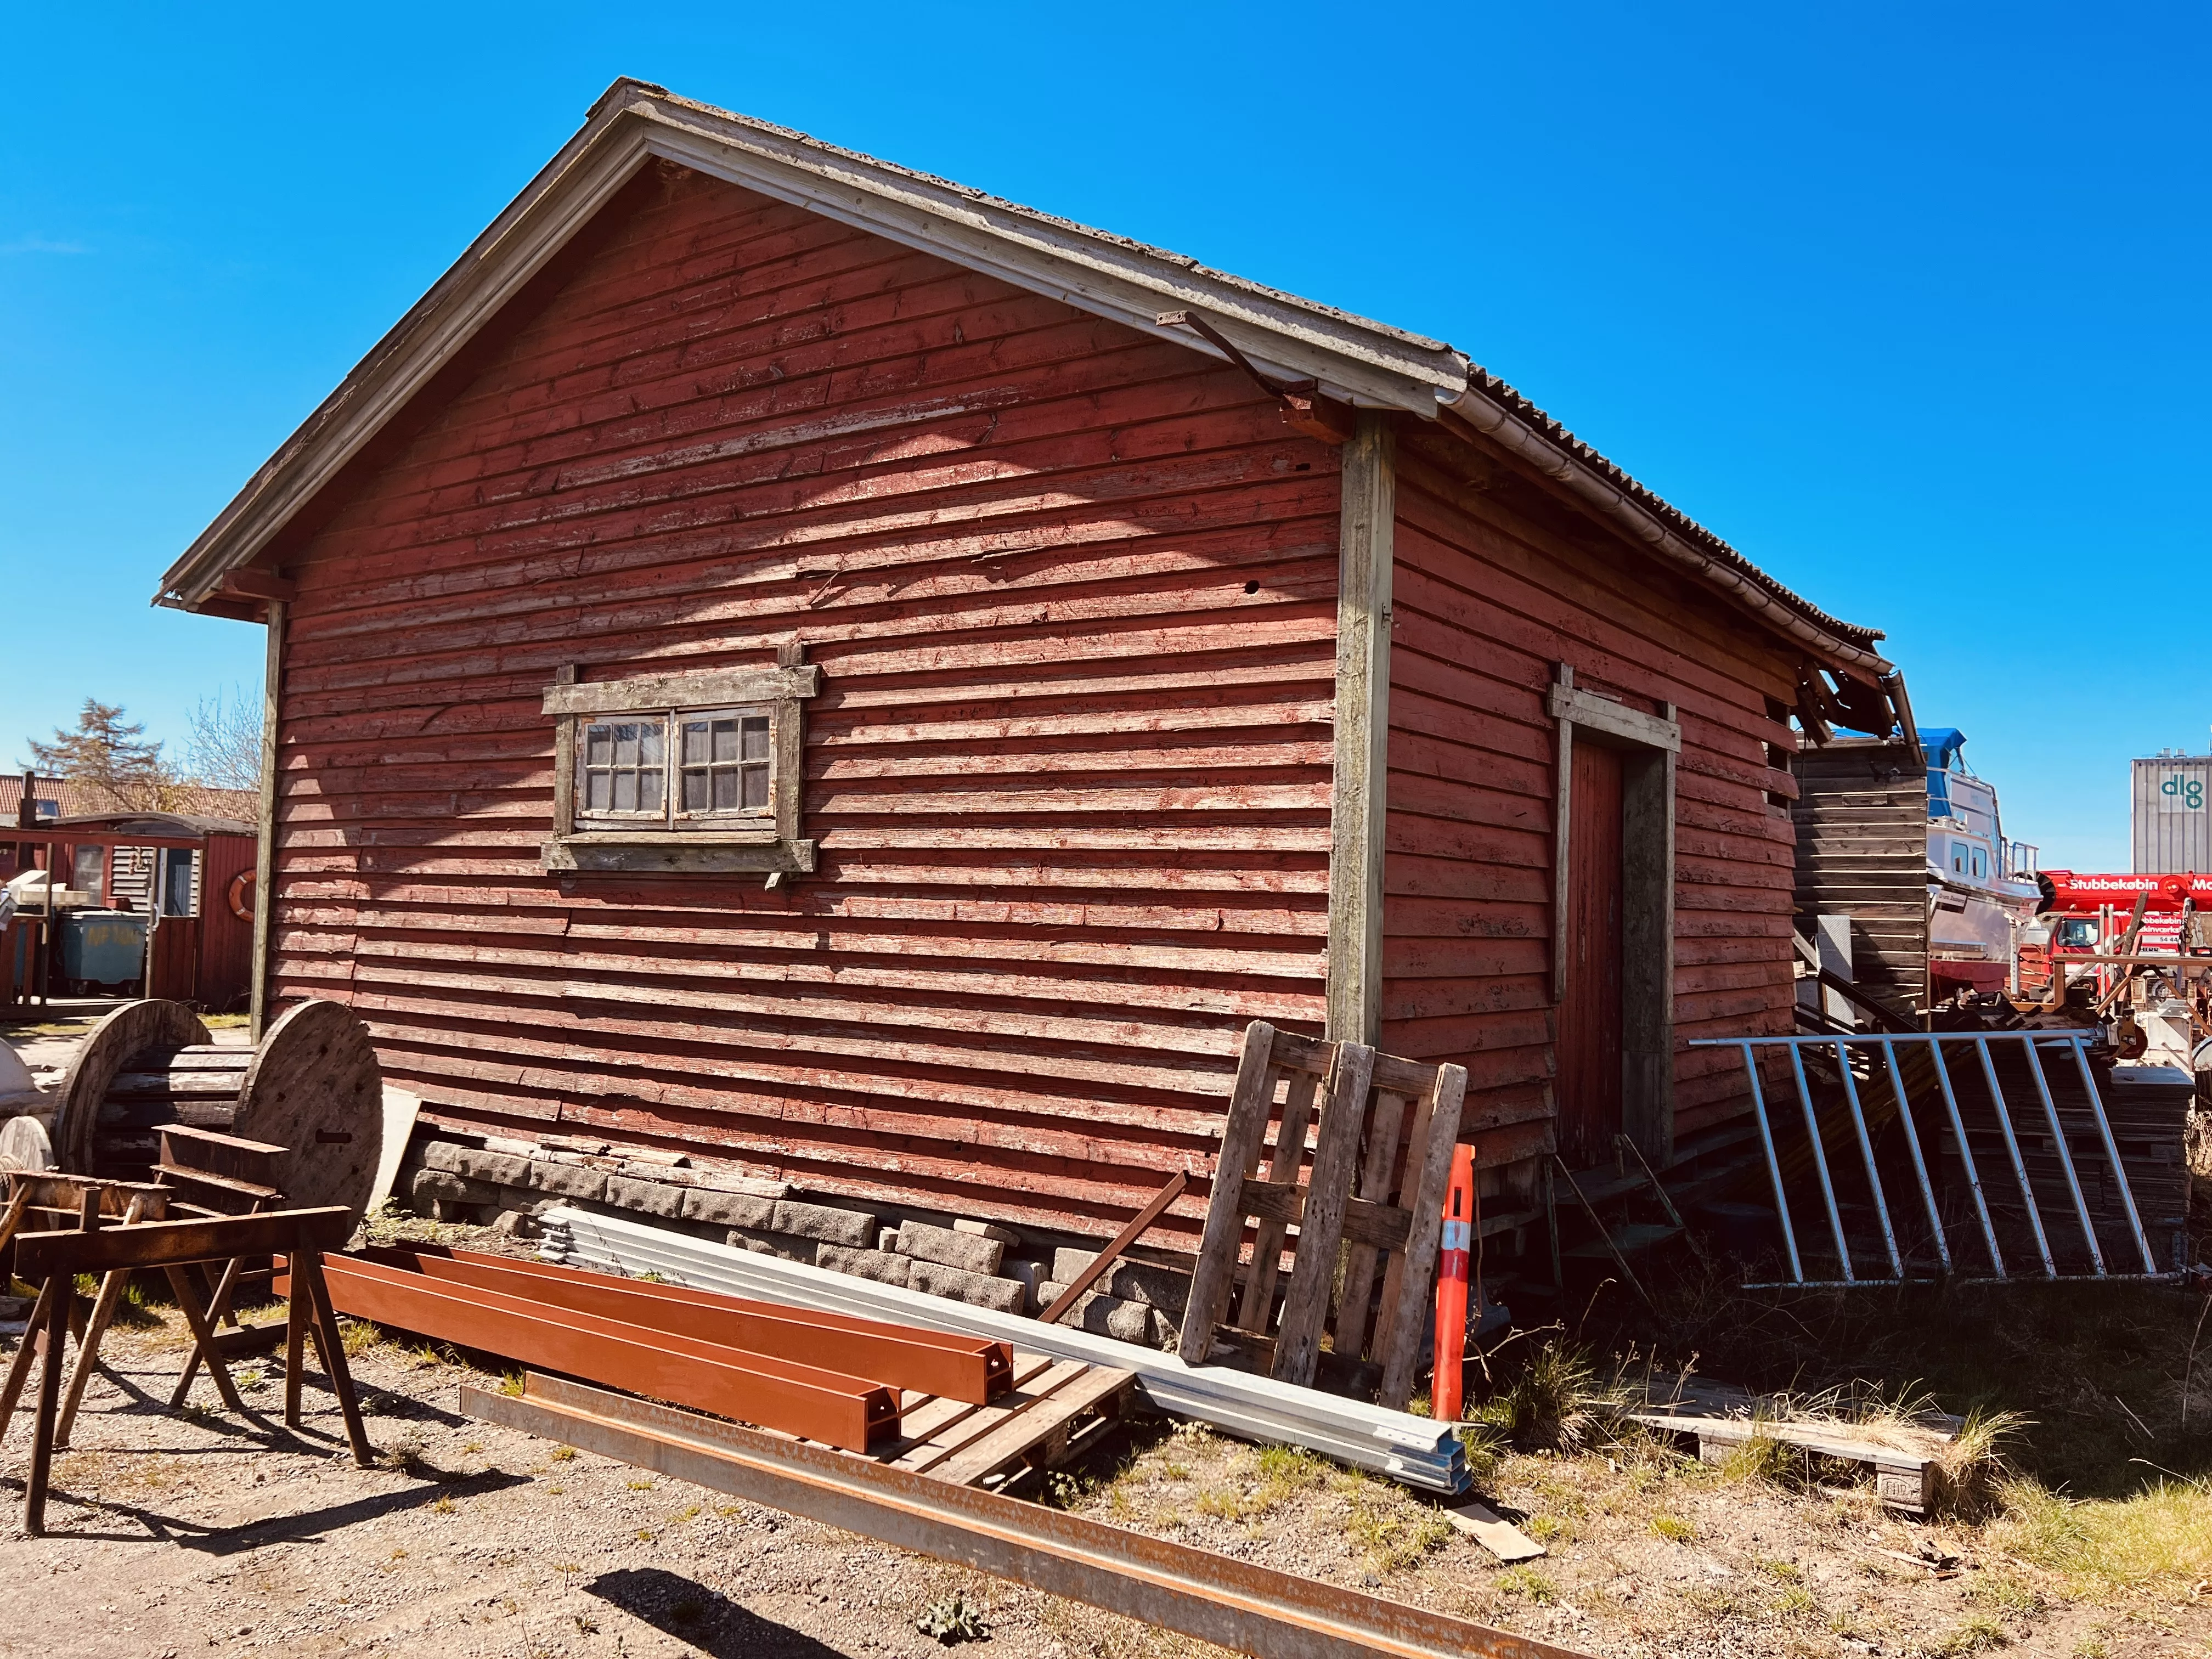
(619, 768)
(723, 757)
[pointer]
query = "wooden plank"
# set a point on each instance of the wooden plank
(1034, 1425)
(1385, 1117)
(974, 1424)
(1251, 1097)
(1282, 1204)
(264, 857)
(1365, 562)
(1283, 1170)
(1492, 1530)
(167, 1243)
(1313, 1275)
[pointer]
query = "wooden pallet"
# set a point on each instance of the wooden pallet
(1055, 1410)
(1371, 1201)
(1907, 1464)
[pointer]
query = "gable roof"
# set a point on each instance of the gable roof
(1352, 359)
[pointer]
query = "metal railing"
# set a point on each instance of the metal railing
(1878, 1053)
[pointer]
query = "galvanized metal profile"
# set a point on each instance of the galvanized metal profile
(1415, 1450)
(1215, 1598)
(1882, 1047)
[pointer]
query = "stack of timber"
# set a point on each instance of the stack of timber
(1373, 1191)
(1416, 1450)
(1861, 821)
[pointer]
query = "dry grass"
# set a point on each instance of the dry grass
(2158, 1541)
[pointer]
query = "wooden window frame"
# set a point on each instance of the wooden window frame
(729, 843)
(1649, 744)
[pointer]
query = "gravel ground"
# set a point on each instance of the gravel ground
(199, 1533)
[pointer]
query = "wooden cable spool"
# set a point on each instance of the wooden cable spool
(313, 1087)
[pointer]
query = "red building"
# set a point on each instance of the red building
(789, 659)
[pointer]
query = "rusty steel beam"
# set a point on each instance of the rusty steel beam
(1246, 1608)
(1139, 1225)
(968, 1368)
(841, 1410)
(683, 1292)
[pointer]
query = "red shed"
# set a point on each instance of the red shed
(784, 658)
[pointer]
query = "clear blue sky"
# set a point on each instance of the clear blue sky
(1909, 302)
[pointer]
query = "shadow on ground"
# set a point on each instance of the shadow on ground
(687, 1610)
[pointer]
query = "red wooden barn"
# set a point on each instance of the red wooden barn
(788, 658)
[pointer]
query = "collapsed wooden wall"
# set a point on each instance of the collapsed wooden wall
(1862, 816)
(1494, 585)
(1073, 592)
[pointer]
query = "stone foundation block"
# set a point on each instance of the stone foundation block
(729, 1209)
(647, 1197)
(528, 1202)
(950, 1248)
(761, 1242)
(935, 1279)
(437, 1186)
(825, 1224)
(499, 1169)
(569, 1180)
(986, 1229)
(1127, 1280)
(1123, 1321)
(879, 1265)
(1030, 1276)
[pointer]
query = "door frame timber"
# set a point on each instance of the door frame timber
(1649, 744)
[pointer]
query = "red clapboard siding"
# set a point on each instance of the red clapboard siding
(1484, 602)
(1074, 592)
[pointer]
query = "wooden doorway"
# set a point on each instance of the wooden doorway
(1589, 1031)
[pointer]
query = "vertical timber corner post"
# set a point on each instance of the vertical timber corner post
(265, 852)
(1359, 797)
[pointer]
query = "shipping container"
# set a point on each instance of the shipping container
(2171, 819)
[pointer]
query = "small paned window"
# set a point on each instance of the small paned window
(620, 771)
(725, 762)
(696, 772)
(724, 765)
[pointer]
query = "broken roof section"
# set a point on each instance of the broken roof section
(1352, 359)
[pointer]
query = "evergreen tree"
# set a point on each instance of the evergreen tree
(109, 756)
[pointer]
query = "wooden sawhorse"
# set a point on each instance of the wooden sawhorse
(55, 1259)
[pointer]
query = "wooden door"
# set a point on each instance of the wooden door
(1588, 1050)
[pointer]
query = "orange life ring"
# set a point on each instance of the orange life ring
(242, 884)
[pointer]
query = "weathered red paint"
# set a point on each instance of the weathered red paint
(1073, 591)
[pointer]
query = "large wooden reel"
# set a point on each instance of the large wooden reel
(115, 1140)
(315, 1089)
